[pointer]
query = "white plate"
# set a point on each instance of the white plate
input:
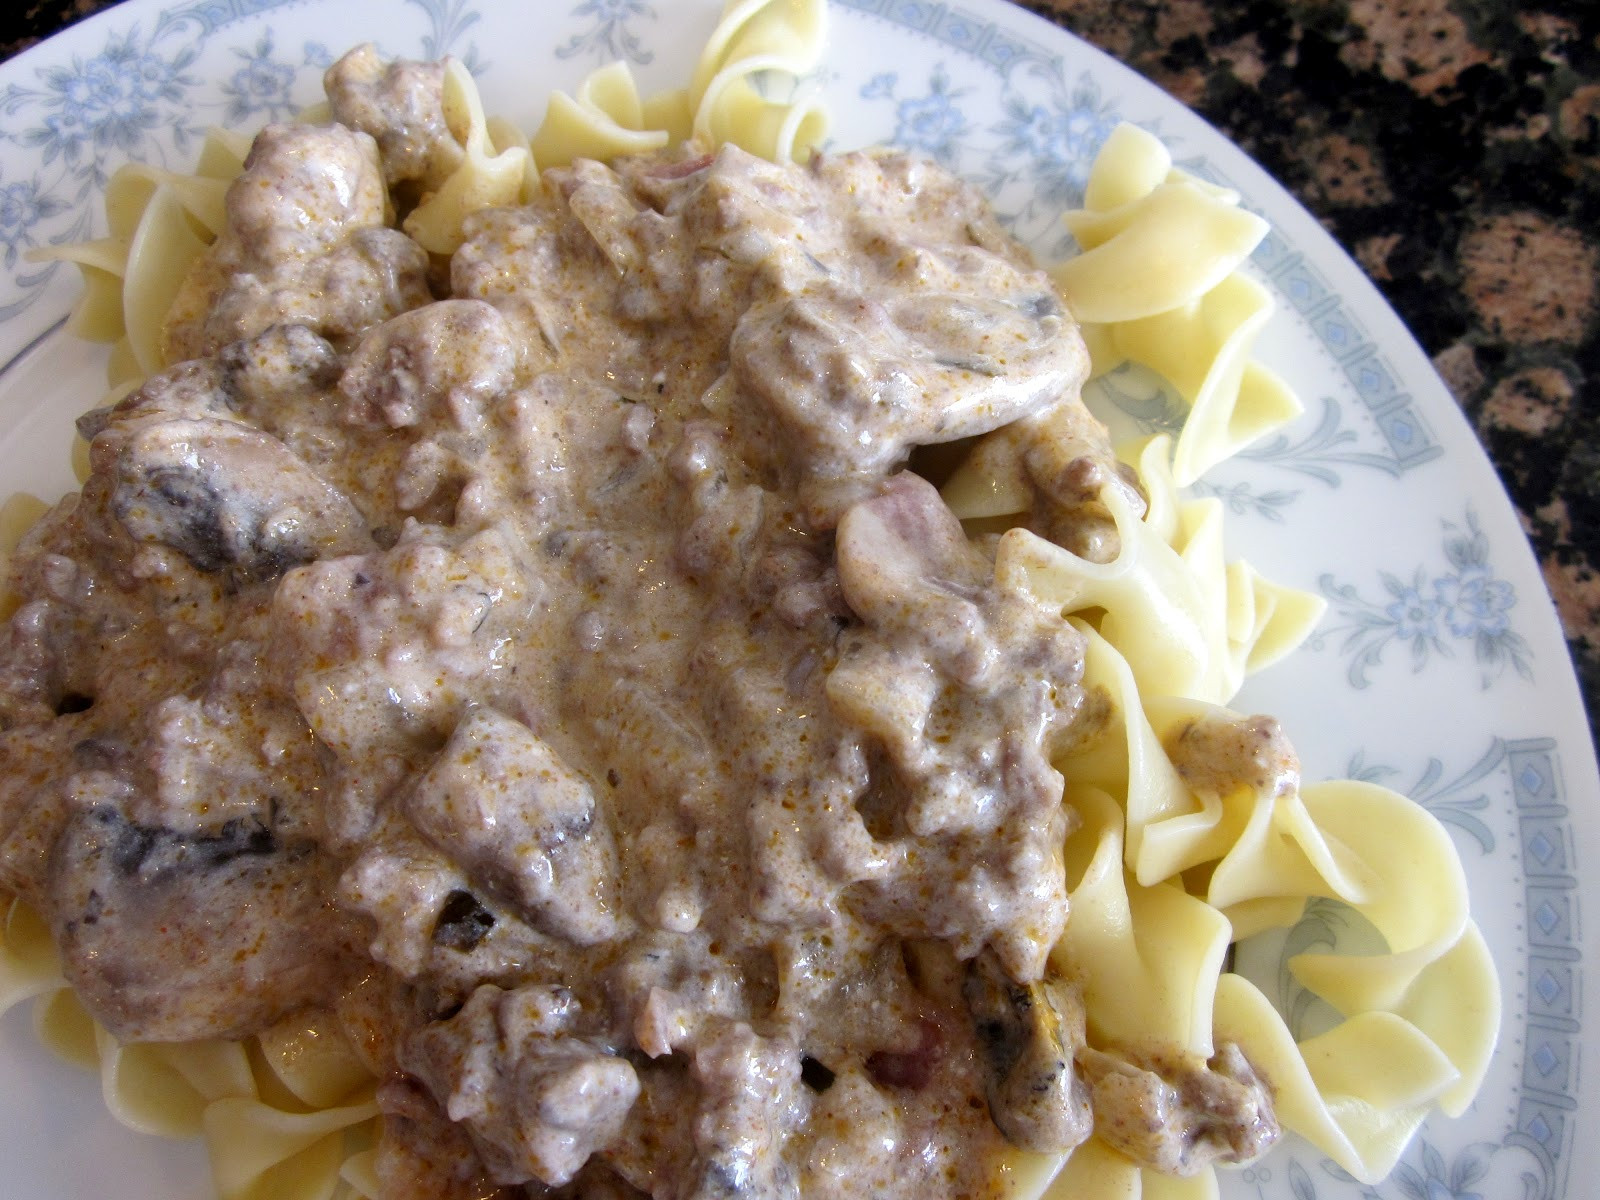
(1439, 668)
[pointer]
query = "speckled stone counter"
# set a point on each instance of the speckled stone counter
(1453, 146)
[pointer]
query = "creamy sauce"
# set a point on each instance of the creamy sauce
(546, 662)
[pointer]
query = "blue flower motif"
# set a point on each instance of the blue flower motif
(23, 206)
(1475, 602)
(1032, 131)
(932, 123)
(608, 36)
(112, 101)
(1439, 1180)
(1435, 1180)
(1413, 614)
(1059, 138)
(879, 87)
(108, 105)
(1467, 604)
(260, 86)
(611, 10)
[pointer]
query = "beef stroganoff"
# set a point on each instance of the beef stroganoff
(618, 662)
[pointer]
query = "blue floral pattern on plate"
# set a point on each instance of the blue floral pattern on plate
(931, 122)
(612, 33)
(87, 114)
(1433, 613)
(262, 89)
(1020, 109)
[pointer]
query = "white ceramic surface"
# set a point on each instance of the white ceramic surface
(1439, 668)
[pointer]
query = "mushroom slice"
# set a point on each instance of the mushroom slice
(1027, 1038)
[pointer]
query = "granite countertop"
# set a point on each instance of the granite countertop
(1453, 146)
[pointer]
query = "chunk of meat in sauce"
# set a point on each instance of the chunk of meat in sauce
(1178, 1114)
(535, 1098)
(968, 689)
(305, 243)
(455, 356)
(670, 985)
(281, 363)
(501, 802)
(404, 887)
(303, 189)
(517, 259)
(226, 752)
(42, 664)
(401, 105)
(1220, 752)
(380, 650)
(747, 1109)
(370, 277)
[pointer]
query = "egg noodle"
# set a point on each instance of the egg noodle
(1163, 874)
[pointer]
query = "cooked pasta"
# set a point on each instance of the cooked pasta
(1193, 322)
(1193, 828)
(603, 119)
(760, 37)
(276, 1112)
(486, 177)
(768, 39)
(159, 223)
